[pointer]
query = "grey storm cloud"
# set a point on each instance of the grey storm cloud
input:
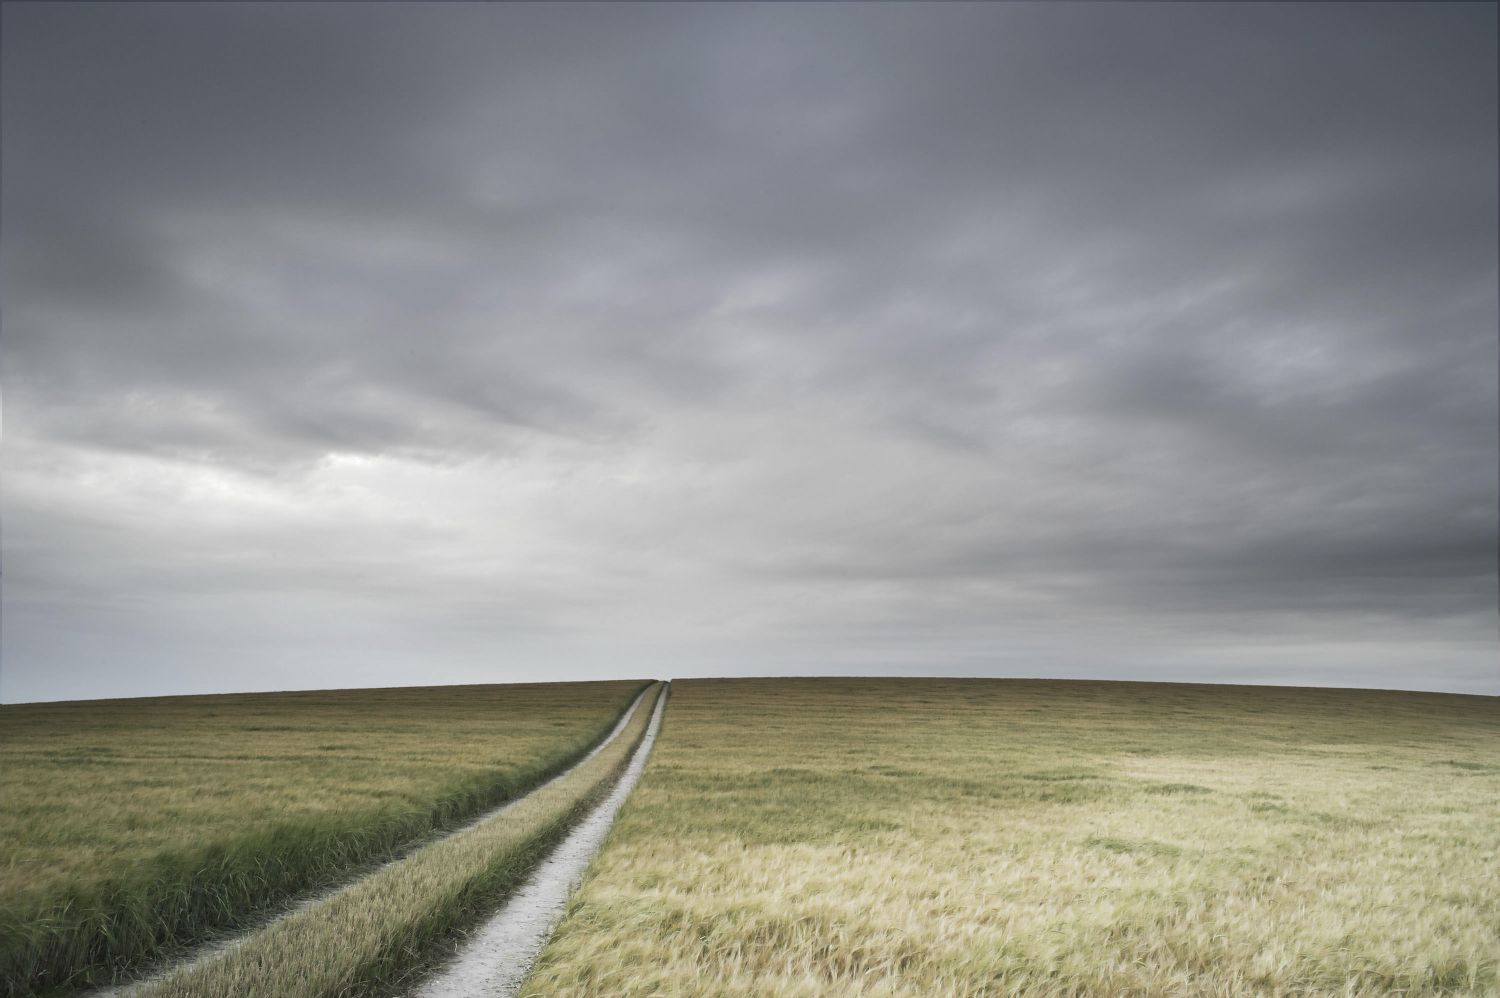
(358, 344)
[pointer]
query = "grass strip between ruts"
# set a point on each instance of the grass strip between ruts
(383, 931)
(104, 933)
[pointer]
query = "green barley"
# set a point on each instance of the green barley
(131, 828)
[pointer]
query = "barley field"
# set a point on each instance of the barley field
(833, 837)
(132, 828)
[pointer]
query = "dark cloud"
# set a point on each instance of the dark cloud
(394, 343)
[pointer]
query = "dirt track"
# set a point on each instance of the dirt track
(496, 958)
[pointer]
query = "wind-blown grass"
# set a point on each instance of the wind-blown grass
(383, 930)
(132, 828)
(828, 838)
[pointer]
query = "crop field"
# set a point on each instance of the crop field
(936, 838)
(790, 837)
(131, 828)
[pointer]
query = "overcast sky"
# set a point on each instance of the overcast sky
(356, 345)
